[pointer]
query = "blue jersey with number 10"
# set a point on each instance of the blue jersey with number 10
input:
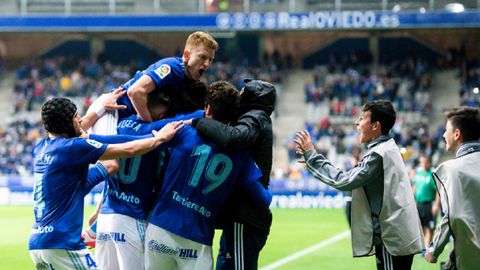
(198, 180)
(132, 190)
(62, 179)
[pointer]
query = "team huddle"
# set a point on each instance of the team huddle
(180, 158)
(174, 154)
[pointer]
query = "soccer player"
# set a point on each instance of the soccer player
(458, 182)
(173, 72)
(384, 217)
(197, 56)
(130, 194)
(61, 163)
(245, 225)
(198, 180)
(426, 197)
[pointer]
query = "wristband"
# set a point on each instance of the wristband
(100, 110)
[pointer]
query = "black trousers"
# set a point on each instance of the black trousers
(240, 246)
(385, 261)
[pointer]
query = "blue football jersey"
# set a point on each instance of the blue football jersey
(167, 72)
(198, 180)
(132, 190)
(61, 181)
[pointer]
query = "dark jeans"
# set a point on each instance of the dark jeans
(240, 246)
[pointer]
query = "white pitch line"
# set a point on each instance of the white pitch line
(306, 251)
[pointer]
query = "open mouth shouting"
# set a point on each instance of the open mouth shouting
(201, 71)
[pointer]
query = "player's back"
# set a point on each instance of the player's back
(60, 174)
(198, 180)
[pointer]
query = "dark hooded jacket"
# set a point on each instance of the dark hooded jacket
(251, 132)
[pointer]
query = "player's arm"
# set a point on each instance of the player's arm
(106, 102)
(442, 232)
(239, 136)
(140, 147)
(117, 138)
(367, 170)
(261, 196)
(147, 128)
(250, 180)
(100, 172)
(436, 205)
(138, 96)
(440, 240)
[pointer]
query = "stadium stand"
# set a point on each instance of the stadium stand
(335, 93)
(82, 80)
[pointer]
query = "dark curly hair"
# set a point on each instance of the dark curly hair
(224, 99)
(57, 116)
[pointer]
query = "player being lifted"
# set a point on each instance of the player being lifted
(172, 72)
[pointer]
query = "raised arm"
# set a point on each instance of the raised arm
(106, 102)
(140, 147)
(367, 170)
(138, 96)
(239, 136)
(146, 128)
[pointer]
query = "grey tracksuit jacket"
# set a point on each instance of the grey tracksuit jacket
(458, 183)
(383, 207)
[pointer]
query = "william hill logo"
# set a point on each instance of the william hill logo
(187, 253)
(114, 236)
(182, 253)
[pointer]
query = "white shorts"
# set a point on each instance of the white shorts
(47, 259)
(120, 242)
(107, 123)
(166, 250)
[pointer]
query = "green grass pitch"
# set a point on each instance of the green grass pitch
(292, 230)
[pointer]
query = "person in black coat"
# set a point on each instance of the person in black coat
(245, 226)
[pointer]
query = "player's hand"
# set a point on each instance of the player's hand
(188, 122)
(168, 131)
(83, 134)
(303, 142)
(110, 100)
(429, 258)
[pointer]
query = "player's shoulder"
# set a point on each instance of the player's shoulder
(173, 63)
(188, 131)
(82, 142)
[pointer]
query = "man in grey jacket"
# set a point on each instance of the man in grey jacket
(384, 217)
(458, 183)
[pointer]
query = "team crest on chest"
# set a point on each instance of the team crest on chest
(163, 70)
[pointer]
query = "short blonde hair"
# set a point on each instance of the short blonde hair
(201, 38)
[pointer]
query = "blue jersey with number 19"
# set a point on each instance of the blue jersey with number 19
(198, 180)
(61, 175)
(165, 72)
(131, 191)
